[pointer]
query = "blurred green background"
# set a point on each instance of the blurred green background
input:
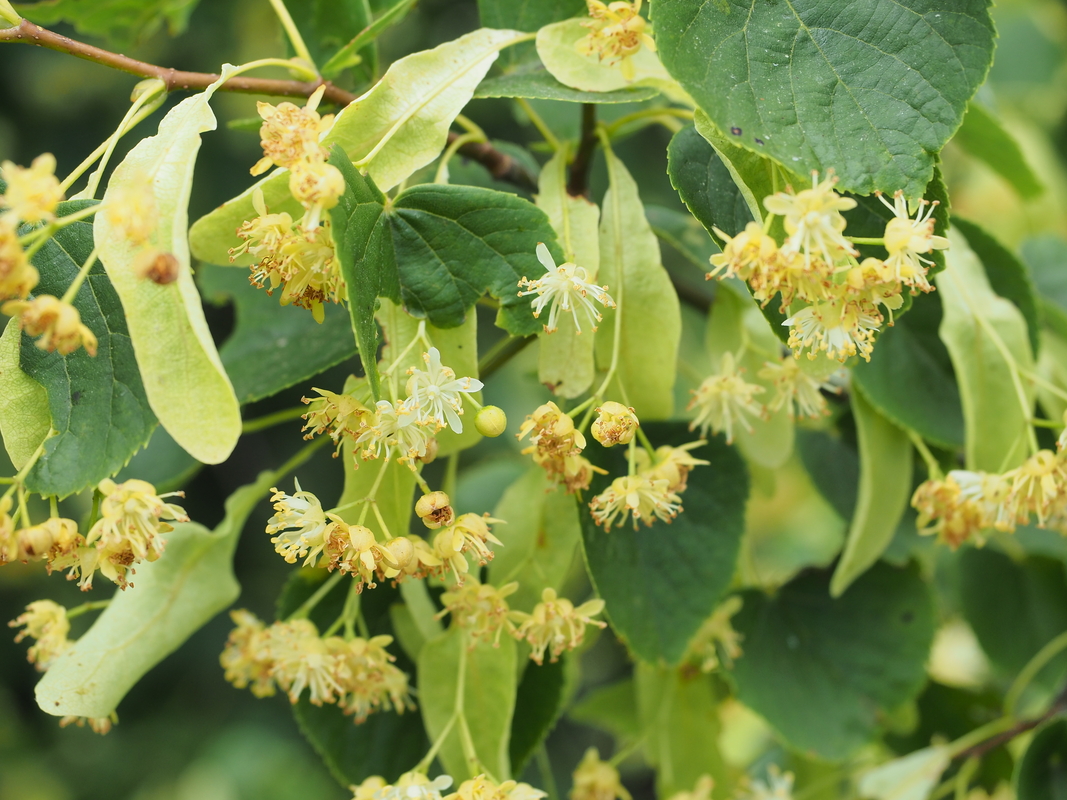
(185, 734)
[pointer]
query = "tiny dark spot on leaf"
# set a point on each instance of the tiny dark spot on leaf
(75, 397)
(759, 141)
(907, 617)
(735, 131)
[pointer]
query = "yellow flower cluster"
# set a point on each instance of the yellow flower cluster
(412, 785)
(357, 674)
(614, 424)
(481, 609)
(556, 446)
(617, 31)
(961, 505)
(836, 300)
(481, 787)
(46, 622)
(701, 791)
(31, 196)
(555, 625)
(652, 492)
(302, 529)
(128, 532)
(300, 257)
(597, 780)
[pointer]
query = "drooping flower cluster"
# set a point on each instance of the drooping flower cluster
(651, 493)
(481, 609)
(796, 390)
(555, 624)
(964, 503)
(597, 780)
(724, 399)
(817, 266)
(617, 31)
(412, 785)
(701, 790)
(357, 674)
(556, 446)
(481, 787)
(565, 288)
(404, 429)
(128, 531)
(46, 622)
(302, 529)
(299, 256)
(31, 196)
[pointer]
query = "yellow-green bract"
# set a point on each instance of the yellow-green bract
(566, 357)
(556, 47)
(24, 416)
(184, 379)
(398, 126)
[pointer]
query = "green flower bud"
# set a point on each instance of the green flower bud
(491, 421)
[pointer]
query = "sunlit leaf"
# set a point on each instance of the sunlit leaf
(983, 136)
(24, 417)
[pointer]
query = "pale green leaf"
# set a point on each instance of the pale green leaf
(612, 708)
(184, 379)
(648, 318)
(737, 326)
(987, 339)
(540, 85)
(911, 777)
(1052, 366)
(556, 47)
(983, 136)
(24, 417)
(539, 539)
(168, 600)
(884, 491)
(872, 90)
(488, 699)
(565, 362)
(398, 126)
(680, 720)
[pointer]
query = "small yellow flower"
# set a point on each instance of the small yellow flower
(9, 540)
(369, 680)
(436, 393)
(1038, 486)
(17, 275)
(946, 511)
(617, 31)
(336, 415)
(555, 625)
(302, 527)
(701, 791)
(435, 510)
(46, 622)
(615, 424)
(51, 539)
(246, 657)
(597, 780)
(672, 464)
(290, 134)
(565, 288)
(907, 240)
(840, 328)
(482, 788)
(57, 323)
(368, 790)
(131, 209)
(100, 725)
(479, 608)
(796, 390)
(724, 399)
(415, 786)
(32, 193)
(318, 187)
(647, 498)
(813, 219)
(556, 446)
(778, 786)
(393, 430)
(301, 659)
(744, 255)
(354, 549)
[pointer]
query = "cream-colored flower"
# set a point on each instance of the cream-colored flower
(724, 399)
(839, 328)
(301, 525)
(290, 134)
(129, 531)
(646, 498)
(369, 681)
(907, 240)
(813, 220)
(46, 622)
(597, 780)
(100, 725)
(435, 510)
(617, 32)
(479, 608)
(17, 275)
(796, 390)
(336, 415)
(672, 464)
(394, 431)
(354, 549)
(415, 786)
(318, 187)
(614, 424)
(32, 193)
(565, 288)
(52, 539)
(131, 209)
(301, 659)
(701, 791)
(778, 786)
(481, 787)
(437, 394)
(368, 790)
(9, 540)
(946, 512)
(57, 323)
(246, 658)
(744, 255)
(555, 625)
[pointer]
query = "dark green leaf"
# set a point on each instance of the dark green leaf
(682, 232)
(540, 85)
(527, 15)
(387, 743)
(1015, 608)
(349, 55)
(122, 21)
(612, 708)
(1007, 274)
(872, 90)
(661, 582)
(1042, 773)
(327, 25)
(910, 378)
(272, 348)
(436, 250)
(824, 672)
(1046, 256)
(98, 404)
(163, 463)
(834, 467)
(537, 707)
(983, 137)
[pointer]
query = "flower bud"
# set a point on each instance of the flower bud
(434, 510)
(403, 551)
(431, 451)
(615, 424)
(161, 268)
(491, 421)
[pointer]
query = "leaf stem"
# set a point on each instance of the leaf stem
(292, 32)
(650, 115)
(424, 765)
(270, 420)
(442, 166)
(147, 101)
(308, 605)
(537, 122)
(79, 279)
(501, 353)
(933, 468)
(1043, 656)
(866, 239)
(84, 608)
